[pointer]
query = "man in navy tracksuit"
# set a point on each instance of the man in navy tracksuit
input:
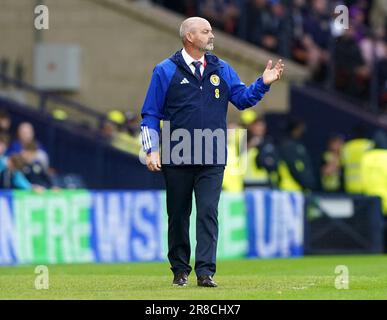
(190, 92)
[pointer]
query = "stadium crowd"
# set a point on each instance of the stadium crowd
(351, 61)
(24, 163)
(281, 162)
(354, 165)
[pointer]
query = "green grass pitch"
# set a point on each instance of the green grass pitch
(301, 278)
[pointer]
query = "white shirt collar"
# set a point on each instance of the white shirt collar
(188, 59)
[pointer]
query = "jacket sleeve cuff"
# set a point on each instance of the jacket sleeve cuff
(153, 149)
(150, 139)
(262, 86)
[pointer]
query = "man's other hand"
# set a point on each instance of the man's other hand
(153, 161)
(273, 74)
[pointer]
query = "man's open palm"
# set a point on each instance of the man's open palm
(273, 74)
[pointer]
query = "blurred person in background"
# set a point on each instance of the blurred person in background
(265, 20)
(5, 121)
(185, 7)
(381, 69)
(352, 154)
(4, 141)
(261, 154)
(306, 30)
(378, 15)
(316, 38)
(297, 20)
(132, 124)
(107, 131)
(110, 126)
(331, 170)
(352, 72)
(295, 165)
(125, 134)
(26, 135)
(11, 176)
(234, 170)
(374, 174)
(371, 44)
(33, 170)
(223, 14)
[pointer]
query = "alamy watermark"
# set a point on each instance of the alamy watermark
(42, 279)
(42, 17)
(342, 19)
(199, 146)
(342, 280)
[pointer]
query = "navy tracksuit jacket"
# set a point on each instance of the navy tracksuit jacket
(176, 95)
(189, 103)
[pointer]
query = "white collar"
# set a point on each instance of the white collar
(188, 59)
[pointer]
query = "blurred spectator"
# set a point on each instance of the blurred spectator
(186, 7)
(11, 176)
(381, 69)
(331, 173)
(305, 30)
(26, 135)
(378, 15)
(352, 154)
(132, 124)
(233, 172)
(109, 128)
(371, 45)
(33, 170)
(5, 121)
(266, 23)
(317, 37)
(357, 22)
(108, 131)
(262, 155)
(295, 166)
(373, 49)
(223, 14)
(297, 26)
(374, 173)
(126, 142)
(121, 131)
(352, 73)
(4, 141)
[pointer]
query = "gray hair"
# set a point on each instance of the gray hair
(188, 25)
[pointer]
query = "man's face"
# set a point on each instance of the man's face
(202, 37)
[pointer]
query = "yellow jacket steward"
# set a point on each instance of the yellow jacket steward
(352, 155)
(374, 174)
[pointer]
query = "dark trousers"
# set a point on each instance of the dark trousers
(181, 182)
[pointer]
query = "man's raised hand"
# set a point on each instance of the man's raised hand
(273, 74)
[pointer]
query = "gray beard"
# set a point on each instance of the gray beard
(210, 49)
